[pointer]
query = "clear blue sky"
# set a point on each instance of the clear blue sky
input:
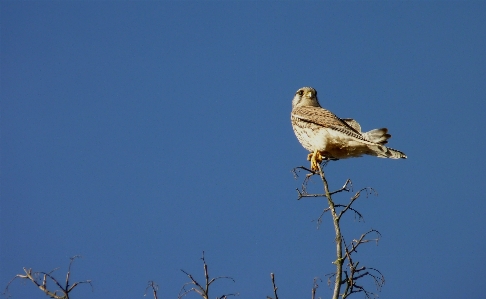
(138, 134)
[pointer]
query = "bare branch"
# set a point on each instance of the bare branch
(154, 287)
(182, 294)
(310, 173)
(356, 214)
(226, 295)
(348, 186)
(348, 207)
(354, 245)
(297, 169)
(272, 276)
(68, 274)
(368, 190)
(34, 277)
(44, 281)
(199, 289)
(315, 286)
(339, 258)
(358, 273)
(345, 275)
(319, 220)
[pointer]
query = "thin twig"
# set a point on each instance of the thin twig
(315, 286)
(154, 287)
(272, 276)
(343, 251)
(199, 289)
(64, 291)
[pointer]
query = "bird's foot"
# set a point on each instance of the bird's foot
(315, 158)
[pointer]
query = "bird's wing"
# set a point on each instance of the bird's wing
(327, 119)
(352, 123)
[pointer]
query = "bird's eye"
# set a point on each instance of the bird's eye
(300, 92)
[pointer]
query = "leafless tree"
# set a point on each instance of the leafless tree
(349, 274)
(35, 277)
(202, 289)
(348, 277)
(193, 286)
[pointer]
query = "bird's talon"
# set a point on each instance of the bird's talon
(316, 159)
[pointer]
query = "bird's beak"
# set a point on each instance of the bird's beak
(309, 94)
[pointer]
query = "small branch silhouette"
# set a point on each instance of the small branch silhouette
(155, 287)
(356, 273)
(272, 276)
(347, 271)
(34, 277)
(203, 291)
(315, 286)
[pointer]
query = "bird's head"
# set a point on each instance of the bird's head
(306, 96)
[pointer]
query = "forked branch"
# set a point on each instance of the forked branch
(346, 275)
(368, 191)
(347, 187)
(155, 287)
(202, 290)
(356, 273)
(35, 277)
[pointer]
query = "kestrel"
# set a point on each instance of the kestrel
(327, 136)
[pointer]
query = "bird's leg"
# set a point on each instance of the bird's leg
(316, 159)
(310, 155)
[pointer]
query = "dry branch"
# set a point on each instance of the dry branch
(347, 271)
(155, 287)
(34, 277)
(315, 286)
(196, 287)
(272, 276)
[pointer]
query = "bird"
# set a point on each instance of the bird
(328, 137)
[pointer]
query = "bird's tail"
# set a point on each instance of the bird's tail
(382, 151)
(379, 136)
(395, 154)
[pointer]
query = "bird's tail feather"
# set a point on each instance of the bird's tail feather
(379, 136)
(396, 154)
(387, 152)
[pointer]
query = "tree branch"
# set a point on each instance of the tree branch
(34, 278)
(199, 289)
(338, 238)
(345, 275)
(154, 287)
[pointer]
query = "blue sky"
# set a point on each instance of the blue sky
(138, 134)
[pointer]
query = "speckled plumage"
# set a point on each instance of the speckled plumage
(318, 129)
